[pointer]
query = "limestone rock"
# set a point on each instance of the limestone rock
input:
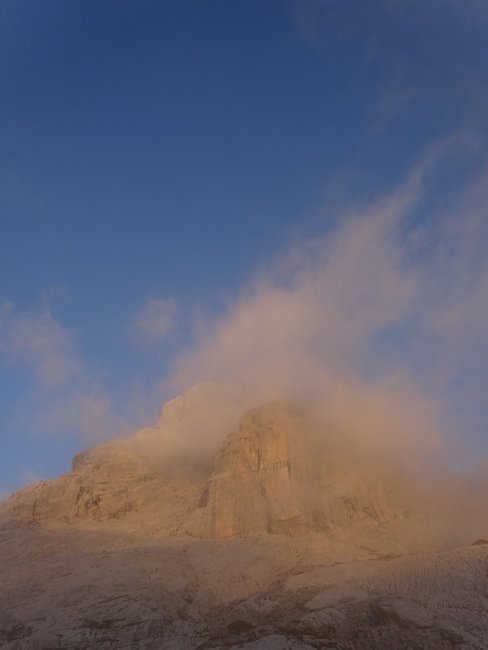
(108, 482)
(269, 478)
(260, 479)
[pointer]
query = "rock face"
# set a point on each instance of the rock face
(262, 480)
(267, 478)
(110, 484)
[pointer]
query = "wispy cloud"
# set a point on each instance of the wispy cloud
(425, 59)
(38, 340)
(155, 320)
(88, 412)
(63, 396)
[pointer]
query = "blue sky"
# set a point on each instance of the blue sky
(155, 154)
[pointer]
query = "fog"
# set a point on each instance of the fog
(377, 331)
(370, 323)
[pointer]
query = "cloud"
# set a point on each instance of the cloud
(377, 331)
(371, 327)
(155, 320)
(376, 328)
(424, 61)
(37, 339)
(62, 397)
(89, 413)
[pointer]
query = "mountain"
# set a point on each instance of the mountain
(268, 477)
(150, 543)
(268, 480)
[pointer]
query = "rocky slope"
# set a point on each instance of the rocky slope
(110, 483)
(269, 546)
(66, 588)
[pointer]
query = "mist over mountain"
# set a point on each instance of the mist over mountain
(156, 544)
(244, 325)
(316, 427)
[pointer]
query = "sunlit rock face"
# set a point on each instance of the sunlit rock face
(270, 477)
(261, 481)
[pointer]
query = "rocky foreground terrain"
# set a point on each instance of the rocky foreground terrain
(265, 546)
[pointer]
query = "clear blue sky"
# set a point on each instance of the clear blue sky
(161, 150)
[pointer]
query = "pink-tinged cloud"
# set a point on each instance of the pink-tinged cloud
(155, 320)
(37, 339)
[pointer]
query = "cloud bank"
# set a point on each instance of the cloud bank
(378, 327)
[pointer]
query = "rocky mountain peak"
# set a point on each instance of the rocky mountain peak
(259, 480)
(267, 478)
